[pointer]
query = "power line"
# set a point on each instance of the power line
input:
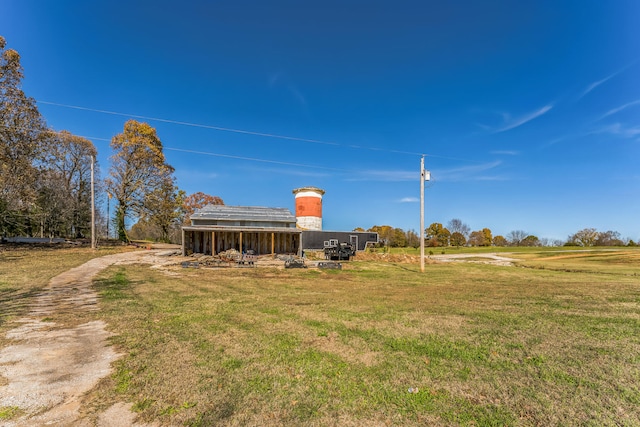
(198, 125)
(253, 159)
(226, 129)
(208, 153)
(248, 132)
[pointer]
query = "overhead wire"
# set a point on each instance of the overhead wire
(249, 132)
(245, 132)
(208, 153)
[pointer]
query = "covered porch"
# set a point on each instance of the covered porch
(211, 240)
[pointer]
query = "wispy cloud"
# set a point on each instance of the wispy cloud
(409, 200)
(280, 79)
(466, 173)
(622, 107)
(297, 95)
(386, 176)
(292, 172)
(620, 130)
(469, 173)
(505, 152)
(514, 122)
(597, 83)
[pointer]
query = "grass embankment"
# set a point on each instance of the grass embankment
(476, 344)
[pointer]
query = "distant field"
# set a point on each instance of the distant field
(553, 343)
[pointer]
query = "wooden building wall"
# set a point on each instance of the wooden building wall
(212, 242)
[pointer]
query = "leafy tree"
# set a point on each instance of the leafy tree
(385, 234)
(437, 235)
(412, 239)
(457, 226)
(138, 168)
(480, 238)
(458, 239)
(530, 240)
(198, 200)
(22, 143)
(358, 229)
(476, 238)
(68, 176)
(163, 207)
(488, 239)
(585, 237)
(609, 238)
(398, 238)
(500, 241)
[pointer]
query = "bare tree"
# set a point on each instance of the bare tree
(457, 226)
(516, 237)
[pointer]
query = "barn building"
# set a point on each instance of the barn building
(218, 228)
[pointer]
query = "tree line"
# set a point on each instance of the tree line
(45, 175)
(459, 234)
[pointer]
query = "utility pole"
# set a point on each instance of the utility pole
(93, 210)
(108, 214)
(425, 175)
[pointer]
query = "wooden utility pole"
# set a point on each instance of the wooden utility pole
(425, 175)
(422, 214)
(93, 210)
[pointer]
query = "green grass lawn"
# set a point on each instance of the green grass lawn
(557, 343)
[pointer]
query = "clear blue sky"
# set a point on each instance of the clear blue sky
(528, 112)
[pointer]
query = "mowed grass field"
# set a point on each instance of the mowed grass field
(554, 340)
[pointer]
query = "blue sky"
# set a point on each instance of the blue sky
(528, 112)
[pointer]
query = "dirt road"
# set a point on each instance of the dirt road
(48, 368)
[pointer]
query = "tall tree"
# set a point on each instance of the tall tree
(163, 207)
(22, 141)
(500, 241)
(530, 240)
(437, 235)
(609, 238)
(515, 237)
(481, 238)
(585, 237)
(138, 168)
(69, 175)
(412, 238)
(458, 239)
(457, 226)
(476, 238)
(398, 238)
(488, 238)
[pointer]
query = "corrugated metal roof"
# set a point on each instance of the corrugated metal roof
(244, 213)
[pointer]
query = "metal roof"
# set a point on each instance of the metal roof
(244, 213)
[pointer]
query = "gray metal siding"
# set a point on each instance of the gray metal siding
(315, 239)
